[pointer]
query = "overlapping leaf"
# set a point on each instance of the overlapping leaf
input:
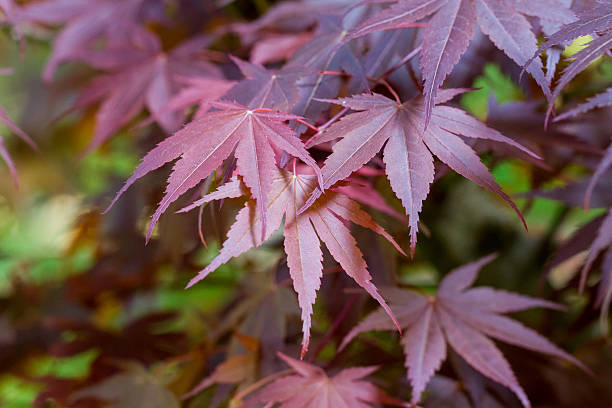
(141, 74)
(463, 318)
(204, 144)
(266, 89)
(86, 21)
(409, 150)
(450, 30)
(327, 51)
(310, 387)
(198, 91)
(595, 21)
(321, 222)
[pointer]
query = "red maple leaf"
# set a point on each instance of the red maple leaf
(409, 150)
(451, 28)
(310, 387)
(86, 21)
(463, 318)
(323, 221)
(141, 74)
(204, 144)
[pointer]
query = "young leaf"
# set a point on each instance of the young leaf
(204, 144)
(464, 318)
(321, 222)
(310, 387)
(408, 151)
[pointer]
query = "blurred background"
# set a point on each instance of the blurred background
(83, 298)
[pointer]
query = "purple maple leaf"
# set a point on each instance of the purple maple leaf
(203, 145)
(322, 222)
(409, 150)
(140, 74)
(310, 387)
(463, 318)
(450, 30)
(86, 21)
(598, 20)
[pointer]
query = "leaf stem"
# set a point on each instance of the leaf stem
(404, 60)
(390, 88)
(303, 122)
(325, 126)
(375, 80)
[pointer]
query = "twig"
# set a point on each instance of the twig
(403, 61)
(325, 126)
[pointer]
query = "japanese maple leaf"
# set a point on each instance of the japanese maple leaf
(236, 369)
(327, 51)
(310, 387)
(600, 100)
(203, 145)
(463, 318)
(323, 221)
(409, 150)
(6, 120)
(597, 20)
(451, 28)
(260, 89)
(266, 89)
(197, 91)
(141, 74)
(86, 21)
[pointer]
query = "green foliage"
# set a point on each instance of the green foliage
(492, 83)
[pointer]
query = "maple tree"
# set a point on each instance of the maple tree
(317, 153)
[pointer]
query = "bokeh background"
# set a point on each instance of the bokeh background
(82, 298)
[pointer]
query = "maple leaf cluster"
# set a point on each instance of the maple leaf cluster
(298, 124)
